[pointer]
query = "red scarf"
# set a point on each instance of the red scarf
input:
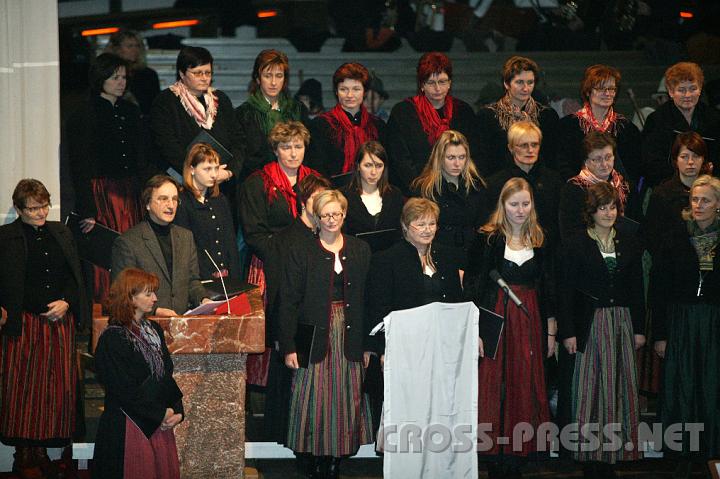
(275, 179)
(432, 124)
(349, 136)
(588, 122)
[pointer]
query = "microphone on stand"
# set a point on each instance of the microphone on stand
(222, 282)
(495, 276)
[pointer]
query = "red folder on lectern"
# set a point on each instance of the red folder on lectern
(239, 305)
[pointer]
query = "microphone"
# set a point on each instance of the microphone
(495, 276)
(222, 282)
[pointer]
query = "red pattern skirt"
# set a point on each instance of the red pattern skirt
(118, 208)
(37, 387)
(524, 377)
(154, 458)
(258, 365)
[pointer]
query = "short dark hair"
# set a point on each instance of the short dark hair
(516, 65)
(371, 147)
(596, 140)
(432, 63)
(268, 59)
(154, 183)
(191, 57)
(693, 142)
(598, 195)
(351, 71)
(104, 66)
(29, 188)
(310, 184)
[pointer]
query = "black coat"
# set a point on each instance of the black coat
(586, 284)
(13, 257)
(307, 294)
(324, 155)
(211, 224)
(358, 220)
(173, 129)
(664, 212)
(494, 154)
(675, 277)
(661, 128)
(144, 85)
(570, 155)
(129, 389)
(546, 185)
(407, 145)
(395, 282)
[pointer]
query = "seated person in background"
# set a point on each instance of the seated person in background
(160, 247)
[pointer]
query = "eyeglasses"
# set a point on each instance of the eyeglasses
(431, 226)
(601, 159)
(335, 216)
(35, 209)
(527, 146)
(440, 83)
(201, 73)
(608, 90)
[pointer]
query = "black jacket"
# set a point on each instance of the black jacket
(494, 154)
(395, 282)
(586, 284)
(407, 145)
(13, 257)
(358, 220)
(661, 128)
(307, 295)
(675, 277)
(664, 212)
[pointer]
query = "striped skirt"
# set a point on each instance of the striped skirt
(258, 365)
(605, 387)
(37, 387)
(329, 413)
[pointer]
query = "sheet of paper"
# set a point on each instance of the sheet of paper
(203, 309)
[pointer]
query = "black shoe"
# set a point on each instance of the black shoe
(305, 463)
(333, 470)
(495, 471)
(320, 469)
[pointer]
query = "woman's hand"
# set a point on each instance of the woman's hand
(3, 317)
(56, 310)
(205, 300)
(552, 345)
(366, 358)
(382, 360)
(639, 341)
(291, 361)
(171, 419)
(660, 348)
(570, 344)
(166, 313)
(87, 225)
(481, 348)
(223, 174)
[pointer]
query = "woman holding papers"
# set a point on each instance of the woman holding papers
(512, 386)
(373, 203)
(323, 302)
(206, 212)
(142, 400)
(601, 319)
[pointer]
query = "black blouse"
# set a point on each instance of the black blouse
(359, 220)
(212, 227)
(664, 212)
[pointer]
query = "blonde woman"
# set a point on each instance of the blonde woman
(511, 243)
(451, 180)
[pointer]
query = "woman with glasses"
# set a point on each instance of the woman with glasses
(599, 89)
(42, 298)
(189, 106)
(268, 104)
(451, 180)
(338, 133)
(684, 82)
(416, 123)
(513, 388)
(268, 202)
(324, 291)
(599, 166)
(519, 76)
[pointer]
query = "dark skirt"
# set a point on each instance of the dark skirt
(523, 381)
(38, 383)
(690, 391)
(329, 413)
(258, 365)
(605, 385)
(118, 207)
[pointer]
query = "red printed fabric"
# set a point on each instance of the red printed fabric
(154, 458)
(257, 366)
(348, 136)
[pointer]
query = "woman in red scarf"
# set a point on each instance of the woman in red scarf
(268, 203)
(416, 123)
(338, 133)
(599, 89)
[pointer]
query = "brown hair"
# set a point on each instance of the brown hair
(432, 63)
(374, 148)
(29, 188)
(683, 71)
(595, 76)
(351, 71)
(268, 59)
(516, 65)
(283, 132)
(129, 282)
(599, 194)
(199, 153)
(154, 183)
(416, 208)
(596, 140)
(531, 233)
(310, 184)
(115, 42)
(693, 142)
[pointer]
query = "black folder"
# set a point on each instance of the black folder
(491, 328)
(234, 287)
(95, 246)
(341, 180)
(304, 342)
(205, 137)
(380, 239)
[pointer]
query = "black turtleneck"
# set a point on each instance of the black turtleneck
(162, 232)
